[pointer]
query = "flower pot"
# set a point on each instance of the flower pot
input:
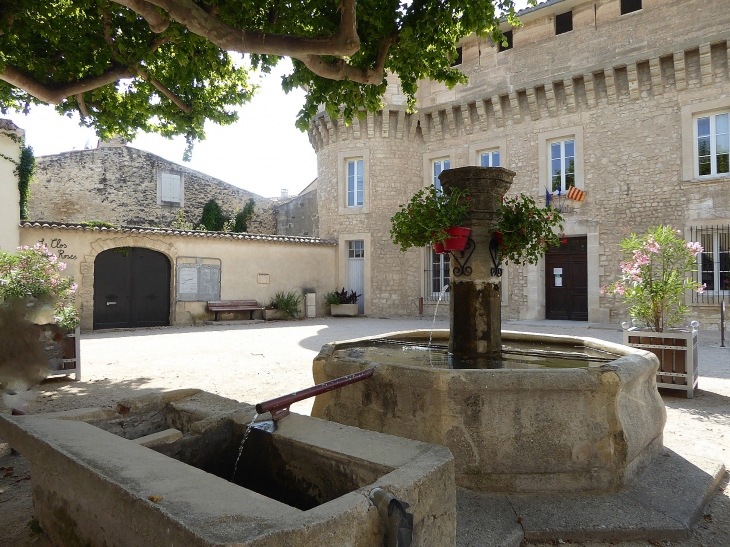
(438, 248)
(458, 240)
(344, 310)
(273, 314)
(676, 350)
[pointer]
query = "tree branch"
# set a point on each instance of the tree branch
(165, 91)
(82, 105)
(55, 94)
(345, 42)
(156, 20)
(341, 70)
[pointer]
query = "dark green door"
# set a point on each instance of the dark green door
(131, 289)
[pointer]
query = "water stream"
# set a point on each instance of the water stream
(433, 323)
(240, 450)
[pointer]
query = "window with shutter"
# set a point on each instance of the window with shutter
(170, 188)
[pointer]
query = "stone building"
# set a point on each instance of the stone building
(626, 99)
(298, 215)
(130, 187)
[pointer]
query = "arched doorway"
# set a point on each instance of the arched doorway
(131, 288)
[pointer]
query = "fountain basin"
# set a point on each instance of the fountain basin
(146, 474)
(591, 429)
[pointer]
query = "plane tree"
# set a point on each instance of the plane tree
(167, 66)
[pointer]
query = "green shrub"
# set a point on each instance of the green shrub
(243, 217)
(213, 218)
(335, 298)
(287, 302)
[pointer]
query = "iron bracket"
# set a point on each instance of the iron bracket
(462, 268)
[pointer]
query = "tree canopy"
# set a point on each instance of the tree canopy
(166, 66)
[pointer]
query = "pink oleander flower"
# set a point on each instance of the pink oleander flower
(701, 289)
(695, 247)
(652, 246)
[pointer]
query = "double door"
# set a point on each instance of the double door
(131, 288)
(566, 280)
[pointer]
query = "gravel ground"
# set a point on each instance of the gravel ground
(259, 361)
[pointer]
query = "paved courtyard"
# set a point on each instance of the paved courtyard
(255, 362)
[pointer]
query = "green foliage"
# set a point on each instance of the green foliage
(98, 224)
(35, 272)
(55, 42)
(180, 222)
(655, 276)
(427, 216)
(242, 218)
(526, 230)
(335, 298)
(25, 171)
(213, 218)
(287, 302)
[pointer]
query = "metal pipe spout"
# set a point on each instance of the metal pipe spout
(279, 407)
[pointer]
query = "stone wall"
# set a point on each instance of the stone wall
(119, 184)
(625, 88)
(252, 267)
(298, 216)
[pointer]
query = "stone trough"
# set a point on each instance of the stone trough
(535, 430)
(157, 470)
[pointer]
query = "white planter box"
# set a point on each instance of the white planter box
(344, 310)
(676, 350)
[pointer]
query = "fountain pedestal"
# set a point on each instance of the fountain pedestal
(475, 301)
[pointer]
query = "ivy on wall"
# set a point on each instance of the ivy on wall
(24, 170)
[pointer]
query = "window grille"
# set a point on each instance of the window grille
(713, 263)
(436, 275)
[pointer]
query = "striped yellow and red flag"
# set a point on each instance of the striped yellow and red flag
(575, 194)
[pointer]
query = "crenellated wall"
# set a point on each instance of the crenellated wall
(626, 88)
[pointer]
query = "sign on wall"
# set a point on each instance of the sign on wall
(198, 279)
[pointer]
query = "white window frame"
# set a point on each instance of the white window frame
(161, 173)
(690, 160)
(717, 290)
(345, 157)
(442, 164)
(483, 147)
(355, 183)
(489, 156)
(428, 164)
(544, 157)
(442, 279)
(562, 144)
(713, 143)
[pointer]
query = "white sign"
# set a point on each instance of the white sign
(263, 279)
(188, 281)
(558, 273)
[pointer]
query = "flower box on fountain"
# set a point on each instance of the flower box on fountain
(433, 217)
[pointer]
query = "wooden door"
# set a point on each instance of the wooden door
(566, 280)
(131, 289)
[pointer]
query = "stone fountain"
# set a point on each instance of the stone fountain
(592, 428)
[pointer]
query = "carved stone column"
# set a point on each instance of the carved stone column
(475, 301)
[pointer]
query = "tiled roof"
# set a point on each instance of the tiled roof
(173, 232)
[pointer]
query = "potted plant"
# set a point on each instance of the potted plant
(432, 217)
(284, 305)
(524, 230)
(342, 303)
(31, 281)
(655, 278)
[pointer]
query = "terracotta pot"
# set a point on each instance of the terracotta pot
(458, 240)
(438, 248)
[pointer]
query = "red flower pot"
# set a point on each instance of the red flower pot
(458, 240)
(438, 248)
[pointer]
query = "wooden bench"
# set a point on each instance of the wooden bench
(234, 305)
